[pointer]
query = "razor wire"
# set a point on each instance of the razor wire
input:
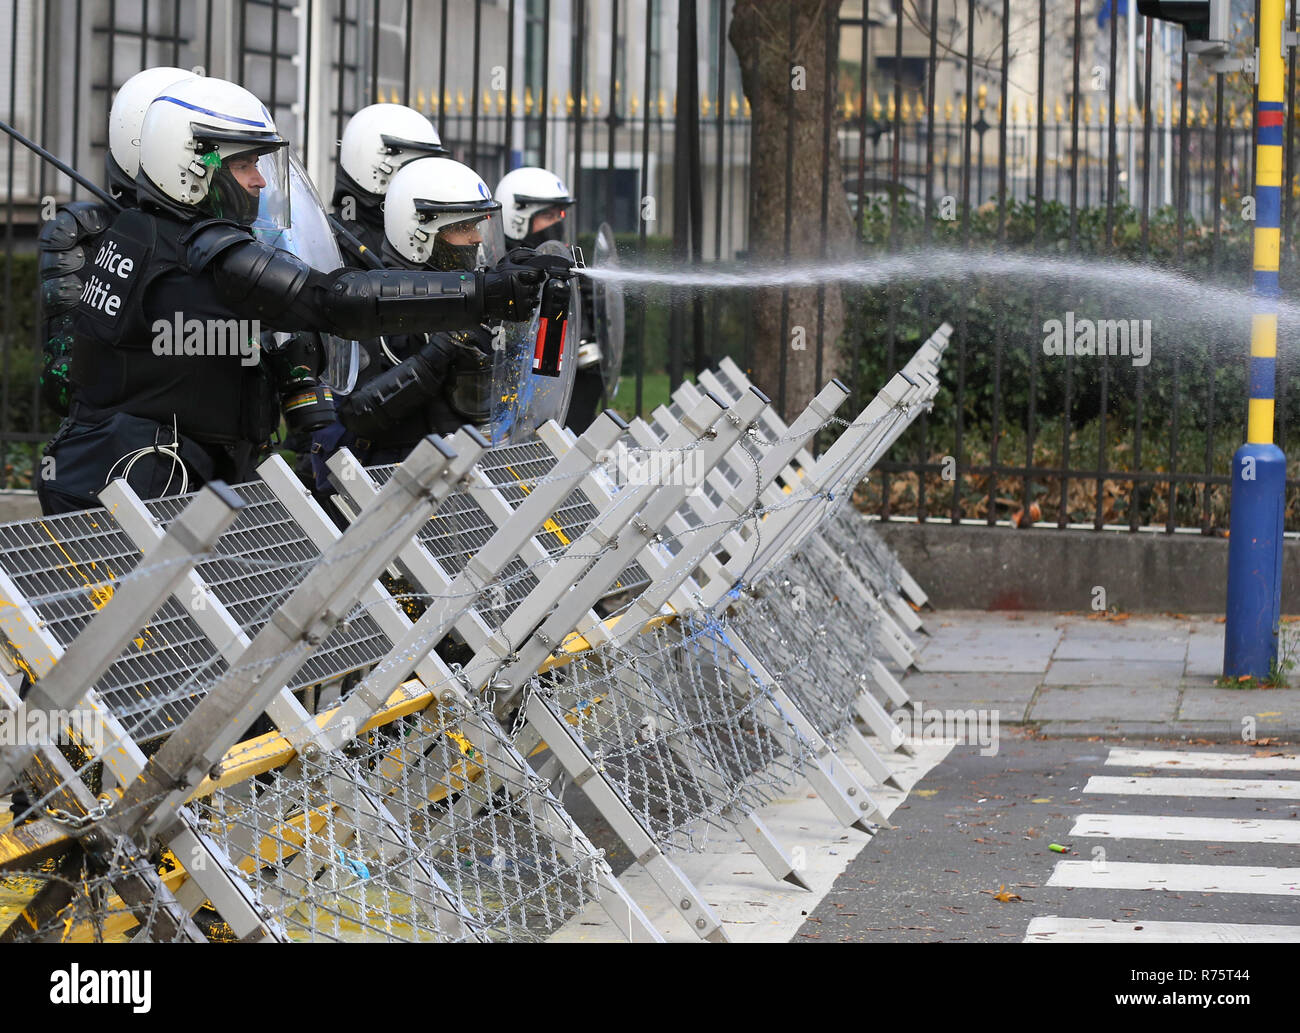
(690, 688)
(679, 729)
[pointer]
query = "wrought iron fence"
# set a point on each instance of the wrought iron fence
(1026, 128)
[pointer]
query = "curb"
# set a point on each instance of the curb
(1211, 731)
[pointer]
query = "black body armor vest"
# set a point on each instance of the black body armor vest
(154, 340)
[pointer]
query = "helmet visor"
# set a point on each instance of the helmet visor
(461, 245)
(274, 207)
(407, 150)
(250, 188)
(292, 218)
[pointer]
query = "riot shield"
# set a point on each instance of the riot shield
(608, 312)
(493, 248)
(532, 379)
(294, 220)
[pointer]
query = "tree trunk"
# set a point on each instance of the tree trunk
(777, 69)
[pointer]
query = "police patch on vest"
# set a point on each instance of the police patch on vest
(115, 268)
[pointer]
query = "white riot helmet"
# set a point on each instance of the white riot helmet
(525, 192)
(434, 214)
(380, 139)
(127, 116)
(190, 134)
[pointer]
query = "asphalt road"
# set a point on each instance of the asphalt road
(974, 825)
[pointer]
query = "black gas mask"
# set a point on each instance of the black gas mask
(555, 231)
(453, 258)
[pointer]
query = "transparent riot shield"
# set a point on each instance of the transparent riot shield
(607, 304)
(293, 219)
(534, 363)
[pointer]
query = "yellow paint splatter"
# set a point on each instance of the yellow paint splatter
(466, 747)
(100, 595)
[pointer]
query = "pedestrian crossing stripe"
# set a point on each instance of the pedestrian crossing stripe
(1051, 929)
(1210, 788)
(1187, 829)
(1177, 878)
(1188, 760)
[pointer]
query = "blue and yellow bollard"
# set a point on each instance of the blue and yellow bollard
(1259, 468)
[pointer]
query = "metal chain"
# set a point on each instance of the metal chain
(80, 821)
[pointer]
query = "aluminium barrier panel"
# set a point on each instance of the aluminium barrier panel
(590, 636)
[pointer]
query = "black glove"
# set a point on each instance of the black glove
(510, 291)
(381, 403)
(559, 266)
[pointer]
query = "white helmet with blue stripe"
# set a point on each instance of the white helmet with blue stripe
(191, 131)
(435, 213)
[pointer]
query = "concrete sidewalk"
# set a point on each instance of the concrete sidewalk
(1068, 675)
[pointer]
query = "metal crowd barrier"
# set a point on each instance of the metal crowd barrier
(682, 639)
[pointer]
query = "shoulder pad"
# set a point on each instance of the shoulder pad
(60, 233)
(92, 216)
(73, 224)
(60, 294)
(61, 263)
(204, 241)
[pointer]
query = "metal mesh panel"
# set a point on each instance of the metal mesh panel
(679, 730)
(458, 530)
(862, 549)
(513, 468)
(814, 642)
(456, 862)
(68, 567)
(266, 554)
(461, 527)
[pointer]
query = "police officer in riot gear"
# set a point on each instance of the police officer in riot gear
(377, 141)
(534, 206)
(69, 240)
(416, 384)
(174, 414)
